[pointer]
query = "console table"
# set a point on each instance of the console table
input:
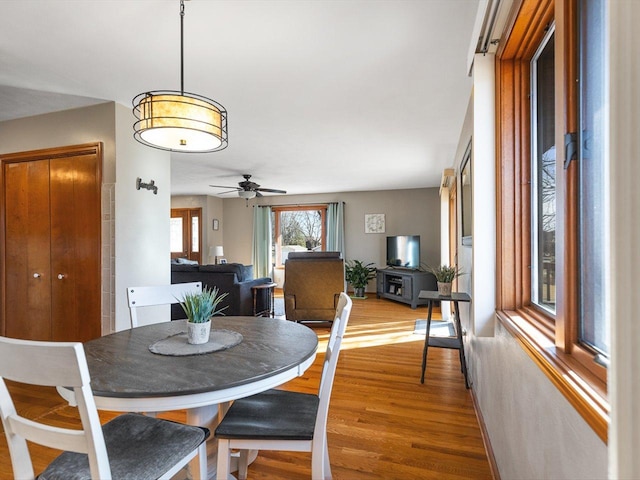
(445, 342)
(403, 285)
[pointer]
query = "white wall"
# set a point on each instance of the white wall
(535, 433)
(624, 377)
(407, 212)
(142, 219)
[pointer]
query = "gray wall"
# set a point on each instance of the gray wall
(407, 212)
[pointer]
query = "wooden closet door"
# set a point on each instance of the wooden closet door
(75, 248)
(50, 237)
(27, 250)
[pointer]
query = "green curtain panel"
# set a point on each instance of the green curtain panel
(335, 228)
(261, 254)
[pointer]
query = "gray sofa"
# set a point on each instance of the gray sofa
(232, 278)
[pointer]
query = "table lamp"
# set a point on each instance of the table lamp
(217, 252)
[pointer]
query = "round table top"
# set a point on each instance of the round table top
(122, 366)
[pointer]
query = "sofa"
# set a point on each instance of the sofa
(313, 282)
(232, 278)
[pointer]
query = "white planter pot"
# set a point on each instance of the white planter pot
(198, 333)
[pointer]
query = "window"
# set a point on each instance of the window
(552, 226)
(298, 229)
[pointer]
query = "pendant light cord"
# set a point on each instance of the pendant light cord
(182, 47)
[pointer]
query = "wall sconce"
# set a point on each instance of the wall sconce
(149, 186)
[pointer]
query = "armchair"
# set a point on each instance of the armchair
(313, 282)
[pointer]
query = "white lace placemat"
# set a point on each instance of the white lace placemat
(177, 345)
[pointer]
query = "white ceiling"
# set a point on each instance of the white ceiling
(323, 96)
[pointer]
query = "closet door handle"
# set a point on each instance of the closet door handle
(61, 276)
(37, 275)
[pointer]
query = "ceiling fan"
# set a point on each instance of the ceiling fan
(248, 189)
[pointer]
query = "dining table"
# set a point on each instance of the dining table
(127, 376)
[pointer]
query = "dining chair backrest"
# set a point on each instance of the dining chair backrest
(158, 295)
(49, 364)
(330, 363)
(130, 445)
(283, 419)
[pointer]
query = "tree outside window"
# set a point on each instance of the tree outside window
(298, 229)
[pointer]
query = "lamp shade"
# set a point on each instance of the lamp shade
(179, 121)
(219, 251)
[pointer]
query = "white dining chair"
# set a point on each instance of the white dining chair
(138, 447)
(283, 420)
(149, 296)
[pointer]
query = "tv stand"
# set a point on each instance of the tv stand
(403, 285)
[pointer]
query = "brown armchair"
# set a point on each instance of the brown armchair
(312, 285)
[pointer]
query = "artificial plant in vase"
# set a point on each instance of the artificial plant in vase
(445, 275)
(199, 308)
(358, 275)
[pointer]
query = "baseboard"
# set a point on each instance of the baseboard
(493, 466)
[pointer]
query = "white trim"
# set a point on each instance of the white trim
(624, 130)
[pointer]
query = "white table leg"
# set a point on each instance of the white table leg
(209, 417)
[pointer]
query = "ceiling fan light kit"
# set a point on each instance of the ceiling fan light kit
(177, 120)
(246, 194)
(248, 189)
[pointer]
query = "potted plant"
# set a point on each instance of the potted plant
(358, 275)
(445, 274)
(199, 308)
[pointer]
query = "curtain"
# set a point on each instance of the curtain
(335, 228)
(261, 251)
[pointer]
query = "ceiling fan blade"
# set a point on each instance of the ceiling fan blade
(229, 191)
(258, 194)
(271, 190)
(224, 186)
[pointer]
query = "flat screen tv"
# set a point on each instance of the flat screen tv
(403, 251)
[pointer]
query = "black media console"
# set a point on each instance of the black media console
(403, 285)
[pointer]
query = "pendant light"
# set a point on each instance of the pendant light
(179, 121)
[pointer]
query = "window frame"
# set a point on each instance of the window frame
(537, 184)
(551, 342)
(293, 208)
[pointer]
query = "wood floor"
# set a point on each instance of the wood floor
(383, 424)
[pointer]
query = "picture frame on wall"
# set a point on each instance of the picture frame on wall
(216, 224)
(374, 223)
(466, 181)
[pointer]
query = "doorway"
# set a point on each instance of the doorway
(186, 233)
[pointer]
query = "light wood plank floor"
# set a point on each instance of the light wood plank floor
(383, 424)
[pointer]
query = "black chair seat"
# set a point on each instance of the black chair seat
(138, 446)
(271, 415)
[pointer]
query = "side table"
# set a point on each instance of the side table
(268, 309)
(444, 342)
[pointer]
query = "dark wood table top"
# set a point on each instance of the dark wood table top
(121, 365)
(434, 295)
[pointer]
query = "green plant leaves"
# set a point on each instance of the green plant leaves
(358, 274)
(200, 307)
